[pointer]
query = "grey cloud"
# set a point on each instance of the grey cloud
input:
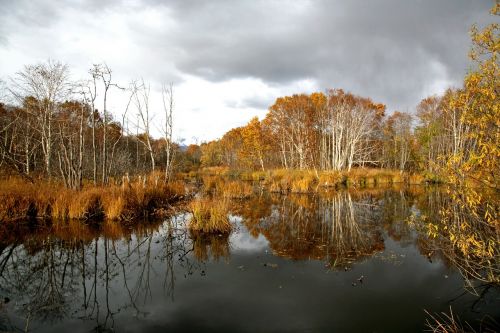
(14, 13)
(383, 49)
(257, 102)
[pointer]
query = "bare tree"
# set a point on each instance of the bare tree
(141, 99)
(168, 108)
(48, 84)
(70, 154)
(122, 129)
(89, 92)
(104, 73)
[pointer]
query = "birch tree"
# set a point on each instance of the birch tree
(49, 84)
(141, 100)
(167, 93)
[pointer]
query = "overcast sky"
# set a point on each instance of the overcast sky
(229, 60)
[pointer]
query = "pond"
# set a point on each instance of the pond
(346, 261)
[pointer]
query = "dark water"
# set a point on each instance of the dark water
(343, 262)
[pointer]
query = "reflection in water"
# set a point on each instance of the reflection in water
(205, 244)
(333, 226)
(74, 274)
(49, 271)
(461, 236)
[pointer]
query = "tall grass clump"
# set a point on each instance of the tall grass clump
(210, 183)
(329, 178)
(237, 190)
(305, 184)
(139, 200)
(210, 216)
(20, 200)
(86, 205)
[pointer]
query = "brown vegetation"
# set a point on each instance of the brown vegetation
(20, 200)
(210, 216)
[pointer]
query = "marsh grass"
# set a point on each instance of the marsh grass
(236, 190)
(448, 323)
(211, 183)
(210, 216)
(305, 181)
(306, 184)
(220, 180)
(20, 200)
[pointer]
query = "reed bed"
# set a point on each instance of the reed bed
(142, 199)
(305, 181)
(219, 180)
(236, 190)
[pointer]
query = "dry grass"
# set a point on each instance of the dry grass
(142, 198)
(306, 184)
(113, 203)
(448, 323)
(19, 200)
(416, 179)
(217, 181)
(214, 171)
(236, 190)
(329, 178)
(210, 216)
(372, 177)
(86, 205)
(210, 183)
(253, 175)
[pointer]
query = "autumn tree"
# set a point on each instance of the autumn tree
(471, 224)
(211, 154)
(292, 122)
(49, 85)
(254, 143)
(231, 145)
(398, 140)
(351, 122)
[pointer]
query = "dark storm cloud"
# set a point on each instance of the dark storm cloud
(390, 50)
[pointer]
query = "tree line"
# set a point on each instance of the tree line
(58, 128)
(338, 130)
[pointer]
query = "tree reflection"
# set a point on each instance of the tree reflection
(331, 226)
(459, 235)
(74, 270)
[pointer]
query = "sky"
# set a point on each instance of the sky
(229, 60)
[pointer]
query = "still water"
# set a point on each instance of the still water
(330, 262)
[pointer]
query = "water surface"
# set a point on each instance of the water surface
(345, 261)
